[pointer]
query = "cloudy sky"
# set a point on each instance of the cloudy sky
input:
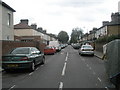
(57, 15)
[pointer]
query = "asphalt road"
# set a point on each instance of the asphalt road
(66, 69)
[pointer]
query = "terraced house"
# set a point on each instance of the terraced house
(107, 29)
(25, 32)
(110, 28)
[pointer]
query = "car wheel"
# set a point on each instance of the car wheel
(32, 68)
(43, 61)
(81, 54)
(7, 70)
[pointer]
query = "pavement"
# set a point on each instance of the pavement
(97, 54)
(1, 69)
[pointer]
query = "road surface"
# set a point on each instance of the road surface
(65, 69)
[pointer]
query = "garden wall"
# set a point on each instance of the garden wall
(9, 45)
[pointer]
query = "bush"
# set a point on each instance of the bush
(107, 39)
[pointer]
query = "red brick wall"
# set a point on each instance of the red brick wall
(9, 45)
(0, 50)
(33, 38)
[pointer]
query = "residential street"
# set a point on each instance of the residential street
(65, 69)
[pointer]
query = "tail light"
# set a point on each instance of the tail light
(92, 50)
(82, 49)
(24, 59)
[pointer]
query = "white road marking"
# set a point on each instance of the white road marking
(67, 54)
(12, 87)
(94, 73)
(66, 57)
(99, 79)
(90, 68)
(63, 71)
(31, 73)
(87, 65)
(61, 86)
(37, 68)
(106, 88)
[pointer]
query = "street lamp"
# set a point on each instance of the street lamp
(94, 31)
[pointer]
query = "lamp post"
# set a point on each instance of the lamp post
(94, 31)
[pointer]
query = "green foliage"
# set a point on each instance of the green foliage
(76, 34)
(63, 37)
(107, 39)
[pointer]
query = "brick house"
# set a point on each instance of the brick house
(24, 32)
(109, 28)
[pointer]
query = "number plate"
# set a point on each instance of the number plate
(13, 65)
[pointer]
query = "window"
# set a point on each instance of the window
(35, 50)
(9, 19)
(20, 51)
(7, 37)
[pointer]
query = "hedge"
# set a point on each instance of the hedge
(107, 39)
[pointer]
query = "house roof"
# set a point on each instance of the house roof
(108, 25)
(22, 26)
(7, 6)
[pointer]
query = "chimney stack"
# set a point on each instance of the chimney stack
(105, 23)
(24, 21)
(34, 26)
(40, 29)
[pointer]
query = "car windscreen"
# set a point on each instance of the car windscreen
(48, 47)
(20, 51)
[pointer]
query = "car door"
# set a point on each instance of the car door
(37, 55)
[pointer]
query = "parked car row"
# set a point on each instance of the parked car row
(76, 45)
(49, 50)
(53, 49)
(27, 57)
(84, 49)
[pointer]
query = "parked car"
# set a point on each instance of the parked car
(62, 46)
(23, 58)
(56, 45)
(50, 50)
(86, 50)
(76, 46)
(58, 48)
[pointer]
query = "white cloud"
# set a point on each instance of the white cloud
(56, 15)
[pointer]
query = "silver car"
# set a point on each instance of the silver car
(86, 50)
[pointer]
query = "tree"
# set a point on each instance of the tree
(76, 35)
(63, 37)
